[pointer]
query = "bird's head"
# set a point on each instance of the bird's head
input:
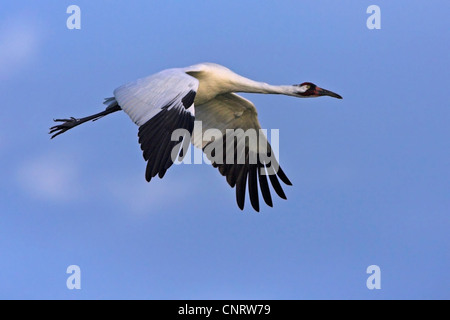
(310, 90)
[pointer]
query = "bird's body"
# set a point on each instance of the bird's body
(213, 80)
(172, 99)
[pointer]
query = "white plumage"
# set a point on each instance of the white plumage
(144, 98)
(172, 99)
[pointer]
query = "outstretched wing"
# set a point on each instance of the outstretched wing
(250, 160)
(159, 104)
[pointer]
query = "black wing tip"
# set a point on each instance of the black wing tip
(253, 194)
(161, 174)
(238, 174)
(157, 147)
(255, 206)
(283, 177)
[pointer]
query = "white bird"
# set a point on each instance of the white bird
(172, 99)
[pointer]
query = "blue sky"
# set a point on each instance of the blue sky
(370, 173)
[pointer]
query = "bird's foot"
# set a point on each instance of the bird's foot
(64, 126)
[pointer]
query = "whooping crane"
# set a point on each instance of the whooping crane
(173, 98)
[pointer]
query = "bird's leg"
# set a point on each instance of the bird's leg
(73, 122)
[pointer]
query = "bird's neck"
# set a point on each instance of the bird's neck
(242, 84)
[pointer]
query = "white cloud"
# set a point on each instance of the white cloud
(60, 178)
(49, 178)
(19, 43)
(140, 197)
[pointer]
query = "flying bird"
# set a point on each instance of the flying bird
(177, 98)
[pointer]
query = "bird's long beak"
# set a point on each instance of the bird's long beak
(324, 92)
